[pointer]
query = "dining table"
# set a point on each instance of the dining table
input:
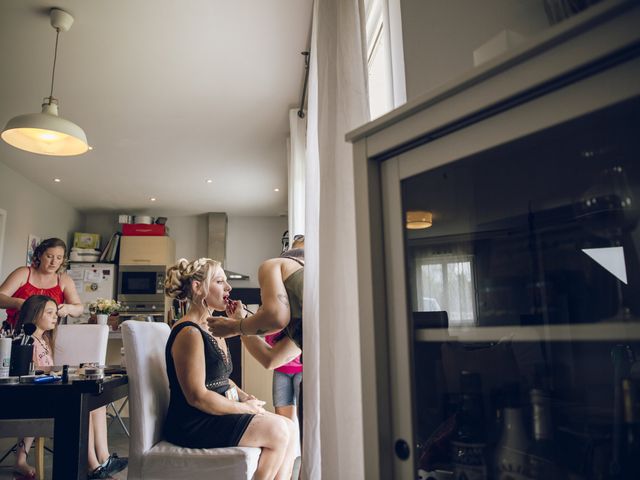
(68, 404)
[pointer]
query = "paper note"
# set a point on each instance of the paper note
(92, 276)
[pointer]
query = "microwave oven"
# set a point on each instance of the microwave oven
(141, 287)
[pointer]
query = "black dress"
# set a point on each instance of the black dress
(187, 426)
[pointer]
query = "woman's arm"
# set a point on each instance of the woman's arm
(270, 357)
(72, 304)
(15, 280)
(272, 316)
(189, 360)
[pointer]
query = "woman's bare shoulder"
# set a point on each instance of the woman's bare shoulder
(187, 332)
(271, 263)
(66, 279)
(14, 281)
(21, 274)
(22, 271)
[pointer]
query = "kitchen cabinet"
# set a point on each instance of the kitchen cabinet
(512, 321)
(146, 250)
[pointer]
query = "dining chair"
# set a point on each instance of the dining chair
(149, 455)
(76, 344)
(20, 428)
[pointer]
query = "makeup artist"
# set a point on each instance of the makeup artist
(281, 289)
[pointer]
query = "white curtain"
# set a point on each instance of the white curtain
(297, 161)
(333, 444)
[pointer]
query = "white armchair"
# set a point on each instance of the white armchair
(150, 457)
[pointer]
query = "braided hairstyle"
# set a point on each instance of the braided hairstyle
(178, 282)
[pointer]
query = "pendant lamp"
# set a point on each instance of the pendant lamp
(46, 133)
(419, 219)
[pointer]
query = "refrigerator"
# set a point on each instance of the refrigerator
(92, 281)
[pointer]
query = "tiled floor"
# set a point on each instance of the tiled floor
(118, 442)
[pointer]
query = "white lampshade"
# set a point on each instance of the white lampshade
(45, 133)
(418, 219)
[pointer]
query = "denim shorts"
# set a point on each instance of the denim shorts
(286, 388)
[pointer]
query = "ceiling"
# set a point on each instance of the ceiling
(169, 93)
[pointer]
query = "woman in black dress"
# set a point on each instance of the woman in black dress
(206, 408)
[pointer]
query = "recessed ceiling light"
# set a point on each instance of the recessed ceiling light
(57, 180)
(276, 189)
(153, 199)
(90, 147)
(209, 180)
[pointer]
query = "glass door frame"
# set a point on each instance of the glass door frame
(590, 63)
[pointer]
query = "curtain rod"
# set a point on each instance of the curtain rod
(304, 86)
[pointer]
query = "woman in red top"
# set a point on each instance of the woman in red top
(45, 277)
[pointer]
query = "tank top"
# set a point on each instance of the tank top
(28, 290)
(294, 285)
(294, 366)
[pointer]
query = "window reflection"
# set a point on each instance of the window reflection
(445, 283)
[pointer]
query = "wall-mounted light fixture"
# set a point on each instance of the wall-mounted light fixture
(418, 219)
(46, 133)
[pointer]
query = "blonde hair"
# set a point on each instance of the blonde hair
(178, 282)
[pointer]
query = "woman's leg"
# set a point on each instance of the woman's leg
(22, 449)
(288, 411)
(286, 392)
(271, 433)
(284, 395)
(98, 451)
(286, 469)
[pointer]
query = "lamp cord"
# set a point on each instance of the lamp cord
(55, 57)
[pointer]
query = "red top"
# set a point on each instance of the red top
(294, 366)
(28, 290)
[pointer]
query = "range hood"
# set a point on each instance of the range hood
(217, 243)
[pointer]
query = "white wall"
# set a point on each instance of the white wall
(105, 224)
(250, 240)
(439, 37)
(30, 210)
(190, 234)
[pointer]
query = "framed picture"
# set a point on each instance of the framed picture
(31, 247)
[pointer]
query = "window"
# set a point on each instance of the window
(378, 59)
(445, 283)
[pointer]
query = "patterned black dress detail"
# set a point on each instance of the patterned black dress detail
(187, 426)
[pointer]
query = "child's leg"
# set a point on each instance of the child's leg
(92, 460)
(101, 443)
(22, 449)
(98, 444)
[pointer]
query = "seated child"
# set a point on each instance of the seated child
(41, 311)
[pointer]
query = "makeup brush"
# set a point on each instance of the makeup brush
(229, 302)
(28, 329)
